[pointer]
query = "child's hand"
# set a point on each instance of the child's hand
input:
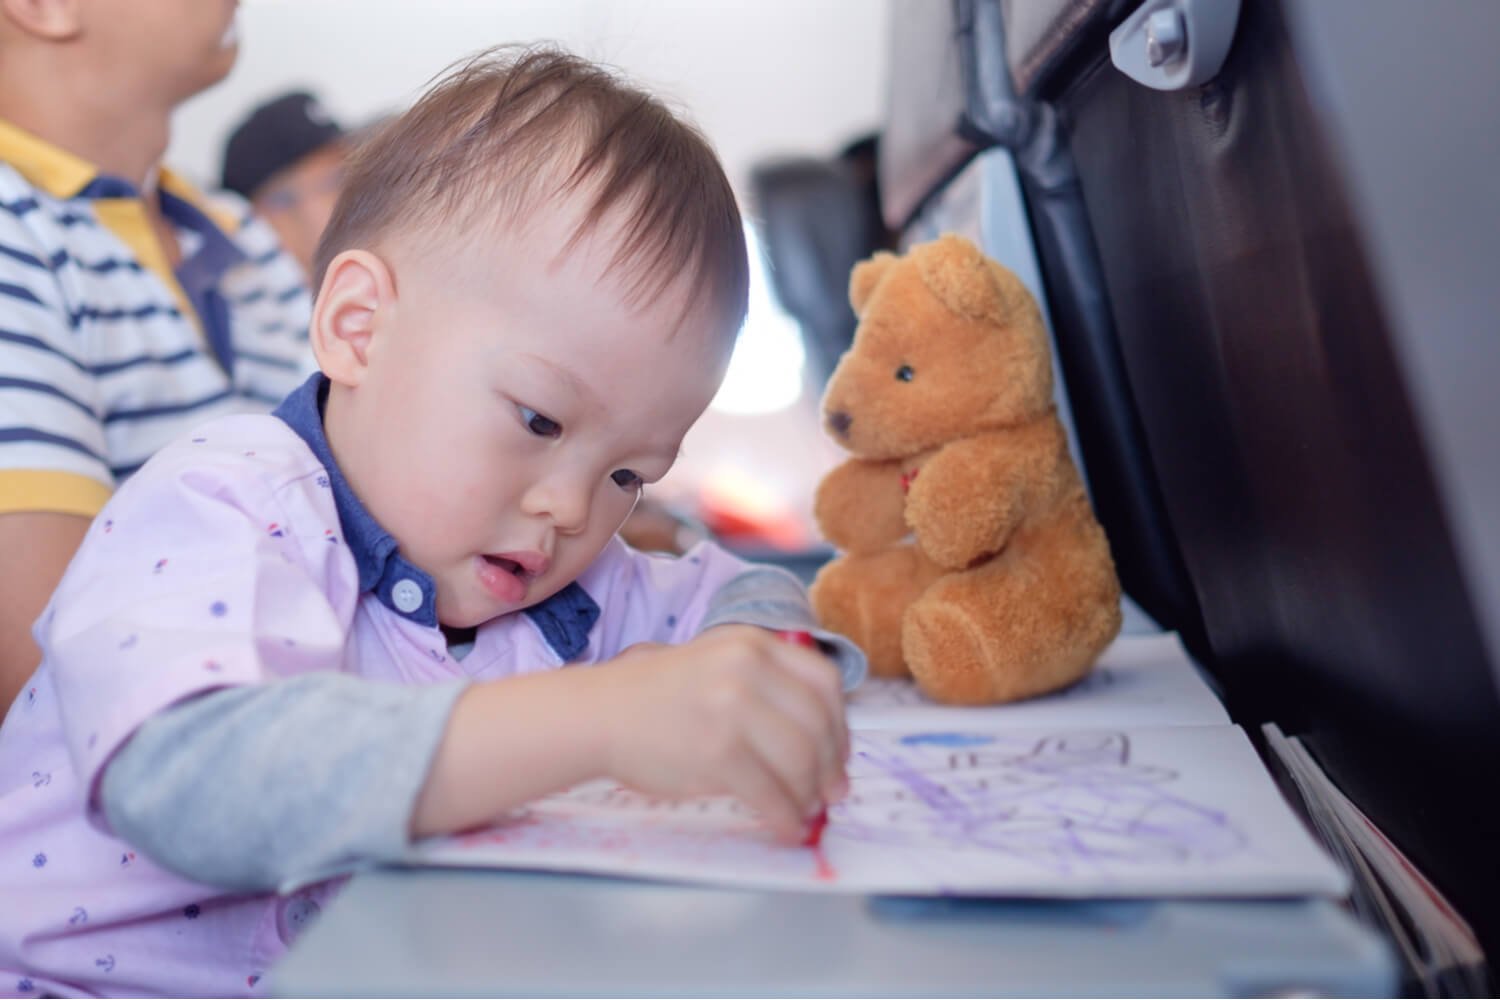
(735, 711)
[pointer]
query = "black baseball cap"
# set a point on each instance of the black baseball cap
(276, 135)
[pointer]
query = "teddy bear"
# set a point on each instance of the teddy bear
(971, 558)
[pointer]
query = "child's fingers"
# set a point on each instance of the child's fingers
(789, 694)
(791, 753)
(755, 782)
(821, 675)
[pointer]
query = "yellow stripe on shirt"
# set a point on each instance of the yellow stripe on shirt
(50, 490)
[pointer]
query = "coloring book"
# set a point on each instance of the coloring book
(1042, 798)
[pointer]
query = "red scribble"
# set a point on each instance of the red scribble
(822, 870)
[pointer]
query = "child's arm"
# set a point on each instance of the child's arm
(736, 711)
(251, 787)
(265, 783)
(254, 786)
(724, 709)
(196, 644)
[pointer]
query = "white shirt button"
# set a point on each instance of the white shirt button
(406, 595)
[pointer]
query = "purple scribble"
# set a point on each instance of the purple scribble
(1066, 802)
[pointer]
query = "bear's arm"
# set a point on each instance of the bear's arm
(859, 505)
(973, 493)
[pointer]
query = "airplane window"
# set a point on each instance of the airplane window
(766, 373)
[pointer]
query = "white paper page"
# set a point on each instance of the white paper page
(1178, 811)
(1140, 681)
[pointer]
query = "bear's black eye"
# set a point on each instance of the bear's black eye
(904, 373)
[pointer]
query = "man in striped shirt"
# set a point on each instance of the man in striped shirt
(131, 307)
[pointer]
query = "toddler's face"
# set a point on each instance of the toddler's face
(514, 406)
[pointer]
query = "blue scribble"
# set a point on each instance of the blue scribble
(948, 739)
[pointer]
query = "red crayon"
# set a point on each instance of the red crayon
(798, 638)
(815, 828)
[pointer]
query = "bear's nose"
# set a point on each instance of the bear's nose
(840, 421)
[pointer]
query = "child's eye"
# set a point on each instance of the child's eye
(539, 425)
(627, 480)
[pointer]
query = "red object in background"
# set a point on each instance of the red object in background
(815, 828)
(744, 511)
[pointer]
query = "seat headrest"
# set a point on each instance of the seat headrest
(818, 218)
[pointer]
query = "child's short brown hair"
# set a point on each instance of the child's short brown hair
(488, 141)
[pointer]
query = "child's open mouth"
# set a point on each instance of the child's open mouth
(506, 575)
(509, 565)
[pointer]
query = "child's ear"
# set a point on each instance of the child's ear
(54, 20)
(357, 286)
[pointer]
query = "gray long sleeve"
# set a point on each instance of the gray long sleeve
(772, 598)
(255, 787)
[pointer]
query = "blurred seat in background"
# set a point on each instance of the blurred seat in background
(817, 219)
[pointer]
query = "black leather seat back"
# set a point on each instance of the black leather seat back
(1260, 357)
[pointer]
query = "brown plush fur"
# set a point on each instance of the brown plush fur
(972, 559)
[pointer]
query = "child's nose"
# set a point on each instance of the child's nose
(566, 504)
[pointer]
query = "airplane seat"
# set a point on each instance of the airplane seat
(1294, 254)
(817, 218)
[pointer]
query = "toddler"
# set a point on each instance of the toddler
(294, 642)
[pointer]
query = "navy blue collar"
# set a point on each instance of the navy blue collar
(564, 619)
(200, 273)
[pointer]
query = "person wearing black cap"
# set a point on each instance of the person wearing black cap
(287, 158)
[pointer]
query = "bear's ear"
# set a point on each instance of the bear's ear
(865, 276)
(962, 278)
